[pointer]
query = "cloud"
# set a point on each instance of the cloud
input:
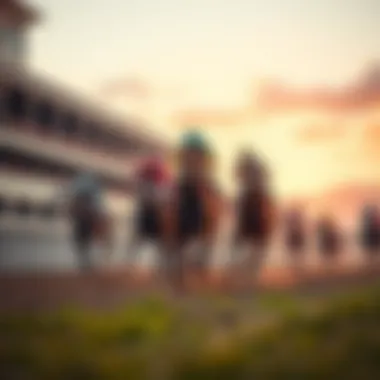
(361, 155)
(344, 201)
(371, 143)
(217, 117)
(372, 134)
(364, 93)
(127, 87)
(321, 133)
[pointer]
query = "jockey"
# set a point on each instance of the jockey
(370, 229)
(295, 231)
(328, 237)
(152, 190)
(86, 194)
(255, 206)
(86, 206)
(254, 214)
(194, 176)
(193, 209)
(153, 181)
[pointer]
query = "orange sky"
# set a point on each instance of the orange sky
(310, 147)
(313, 140)
(202, 62)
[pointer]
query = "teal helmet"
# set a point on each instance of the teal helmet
(194, 140)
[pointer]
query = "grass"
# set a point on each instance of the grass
(271, 337)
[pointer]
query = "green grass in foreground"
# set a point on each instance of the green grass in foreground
(208, 339)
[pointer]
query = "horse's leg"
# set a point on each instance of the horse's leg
(175, 265)
(203, 261)
(256, 256)
(82, 242)
(294, 253)
(162, 261)
(133, 247)
(167, 264)
(105, 238)
(85, 254)
(236, 269)
(234, 260)
(109, 239)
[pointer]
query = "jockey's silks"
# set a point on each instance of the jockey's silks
(147, 219)
(190, 209)
(193, 210)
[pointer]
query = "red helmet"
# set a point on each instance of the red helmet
(153, 170)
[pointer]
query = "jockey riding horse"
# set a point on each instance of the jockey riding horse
(193, 213)
(295, 237)
(152, 184)
(88, 217)
(255, 212)
(369, 232)
(329, 238)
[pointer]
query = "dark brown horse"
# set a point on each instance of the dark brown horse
(295, 239)
(255, 214)
(147, 228)
(329, 239)
(193, 215)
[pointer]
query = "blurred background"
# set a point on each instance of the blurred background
(99, 85)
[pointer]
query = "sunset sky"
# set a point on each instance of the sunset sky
(202, 61)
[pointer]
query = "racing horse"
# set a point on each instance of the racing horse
(152, 181)
(255, 214)
(191, 217)
(90, 223)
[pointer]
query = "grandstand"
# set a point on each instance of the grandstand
(48, 132)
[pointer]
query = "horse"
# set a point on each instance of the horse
(369, 233)
(330, 240)
(147, 223)
(255, 214)
(192, 216)
(104, 233)
(295, 239)
(152, 184)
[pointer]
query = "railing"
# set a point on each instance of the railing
(72, 154)
(24, 207)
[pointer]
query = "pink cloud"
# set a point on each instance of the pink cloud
(128, 86)
(321, 133)
(371, 143)
(209, 117)
(362, 94)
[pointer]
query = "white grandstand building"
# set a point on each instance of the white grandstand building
(47, 132)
